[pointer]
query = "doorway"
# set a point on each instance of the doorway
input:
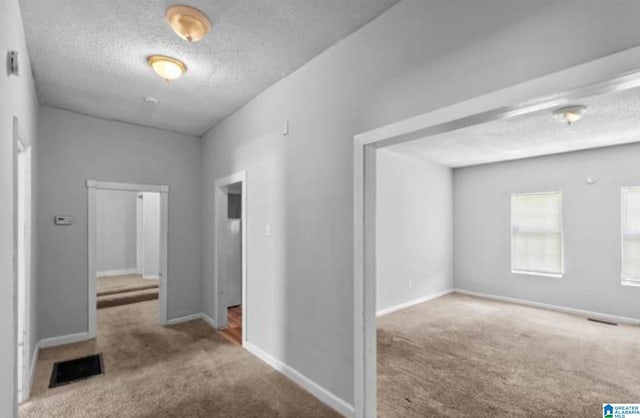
(617, 72)
(127, 247)
(230, 257)
(127, 244)
(23, 260)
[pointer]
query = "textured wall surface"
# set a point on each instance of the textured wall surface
(17, 99)
(412, 59)
(591, 216)
(414, 229)
(115, 230)
(76, 148)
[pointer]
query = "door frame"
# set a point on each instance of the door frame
(19, 148)
(612, 73)
(220, 208)
(92, 187)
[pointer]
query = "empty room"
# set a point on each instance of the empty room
(507, 261)
(319, 208)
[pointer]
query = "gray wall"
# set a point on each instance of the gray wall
(151, 219)
(76, 147)
(414, 229)
(17, 98)
(115, 230)
(591, 228)
(417, 56)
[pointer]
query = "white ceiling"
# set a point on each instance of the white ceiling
(89, 56)
(609, 120)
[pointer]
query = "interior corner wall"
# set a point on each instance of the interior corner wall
(592, 228)
(18, 98)
(414, 229)
(412, 59)
(115, 231)
(75, 148)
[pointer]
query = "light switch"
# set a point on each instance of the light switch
(285, 127)
(267, 230)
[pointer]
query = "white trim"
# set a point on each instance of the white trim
(151, 277)
(563, 309)
(65, 339)
(405, 305)
(185, 318)
(111, 273)
(32, 372)
(615, 72)
(324, 395)
(220, 199)
(537, 273)
(206, 318)
(92, 186)
(133, 187)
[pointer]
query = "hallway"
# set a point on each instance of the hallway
(186, 370)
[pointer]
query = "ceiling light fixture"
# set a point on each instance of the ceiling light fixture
(188, 23)
(151, 100)
(167, 67)
(569, 114)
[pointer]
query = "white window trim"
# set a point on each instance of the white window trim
(625, 281)
(532, 272)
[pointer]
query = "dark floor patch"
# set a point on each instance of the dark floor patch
(65, 372)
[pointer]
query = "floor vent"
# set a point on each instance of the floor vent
(65, 372)
(600, 321)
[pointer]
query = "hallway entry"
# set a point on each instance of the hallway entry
(230, 257)
(127, 247)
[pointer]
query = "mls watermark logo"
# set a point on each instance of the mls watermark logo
(621, 410)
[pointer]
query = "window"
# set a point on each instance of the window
(631, 236)
(536, 234)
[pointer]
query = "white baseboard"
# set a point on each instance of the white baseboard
(309, 385)
(556, 308)
(413, 302)
(151, 276)
(64, 339)
(182, 319)
(206, 318)
(110, 273)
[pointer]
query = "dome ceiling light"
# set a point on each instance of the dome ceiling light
(166, 67)
(188, 23)
(569, 114)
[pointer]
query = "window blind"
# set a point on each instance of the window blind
(631, 235)
(536, 233)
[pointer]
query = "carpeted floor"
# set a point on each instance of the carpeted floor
(185, 370)
(117, 284)
(460, 356)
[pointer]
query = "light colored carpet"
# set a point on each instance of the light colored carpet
(185, 370)
(460, 356)
(117, 284)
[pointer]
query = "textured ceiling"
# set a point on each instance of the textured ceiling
(89, 56)
(609, 120)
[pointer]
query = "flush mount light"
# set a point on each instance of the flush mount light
(167, 67)
(569, 114)
(188, 23)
